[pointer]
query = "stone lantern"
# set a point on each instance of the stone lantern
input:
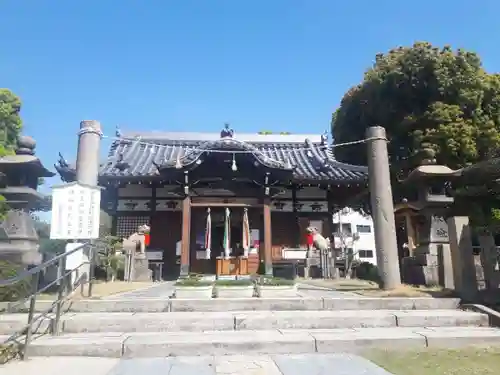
(428, 201)
(20, 174)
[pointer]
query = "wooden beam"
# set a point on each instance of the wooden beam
(268, 261)
(234, 204)
(186, 233)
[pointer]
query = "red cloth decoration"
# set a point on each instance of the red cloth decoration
(146, 239)
(309, 239)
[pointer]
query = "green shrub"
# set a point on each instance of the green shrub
(192, 282)
(368, 271)
(229, 283)
(20, 290)
(276, 281)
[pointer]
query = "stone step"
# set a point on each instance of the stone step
(248, 304)
(132, 345)
(246, 320)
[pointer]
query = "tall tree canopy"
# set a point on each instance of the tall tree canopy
(425, 97)
(10, 121)
(10, 128)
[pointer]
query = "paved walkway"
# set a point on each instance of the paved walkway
(285, 364)
(164, 289)
(313, 291)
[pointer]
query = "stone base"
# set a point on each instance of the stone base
(416, 273)
(234, 291)
(141, 269)
(278, 291)
(197, 292)
(22, 258)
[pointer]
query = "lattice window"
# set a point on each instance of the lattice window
(127, 225)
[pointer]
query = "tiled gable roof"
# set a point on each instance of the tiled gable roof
(138, 155)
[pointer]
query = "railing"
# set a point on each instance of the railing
(65, 287)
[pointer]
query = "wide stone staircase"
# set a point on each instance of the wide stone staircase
(175, 327)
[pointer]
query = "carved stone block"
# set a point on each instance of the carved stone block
(141, 270)
(19, 242)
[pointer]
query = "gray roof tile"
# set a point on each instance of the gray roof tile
(311, 159)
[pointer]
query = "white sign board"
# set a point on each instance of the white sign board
(74, 260)
(156, 255)
(75, 212)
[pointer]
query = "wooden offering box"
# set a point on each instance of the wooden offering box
(232, 266)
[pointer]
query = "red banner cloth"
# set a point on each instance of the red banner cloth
(309, 239)
(146, 239)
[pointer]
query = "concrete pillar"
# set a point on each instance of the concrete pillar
(462, 258)
(87, 165)
(445, 266)
(88, 157)
(382, 207)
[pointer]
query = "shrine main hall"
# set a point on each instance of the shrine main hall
(278, 184)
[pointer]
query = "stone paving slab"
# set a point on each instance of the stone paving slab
(144, 344)
(164, 304)
(164, 289)
(440, 318)
(329, 364)
(285, 364)
(245, 320)
(219, 343)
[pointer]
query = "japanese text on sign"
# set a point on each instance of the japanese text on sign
(75, 212)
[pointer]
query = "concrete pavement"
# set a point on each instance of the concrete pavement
(165, 289)
(283, 364)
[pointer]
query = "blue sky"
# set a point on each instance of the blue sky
(280, 65)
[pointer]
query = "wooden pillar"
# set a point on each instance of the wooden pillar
(114, 210)
(410, 233)
(297, 234)
(268, 262)
(186, 234)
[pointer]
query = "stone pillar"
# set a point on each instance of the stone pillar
(462, 258)
(382, 207)
(88, 156)
(87, 165)
(186, 236)
(268, 262)
(489, 260)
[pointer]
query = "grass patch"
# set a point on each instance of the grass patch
(9, 351)
(230, 283)
(409, 291)
(342, 284)
(469, 361)
(371, 289)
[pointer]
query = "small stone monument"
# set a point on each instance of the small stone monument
(136, 264)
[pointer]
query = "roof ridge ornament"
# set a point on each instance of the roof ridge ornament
(118, 132)
(227, 132)
(324, 138)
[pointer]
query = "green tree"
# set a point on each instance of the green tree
(10, 121)
(10, 128)
(425, 97)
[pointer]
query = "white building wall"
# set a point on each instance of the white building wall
(364, 248)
